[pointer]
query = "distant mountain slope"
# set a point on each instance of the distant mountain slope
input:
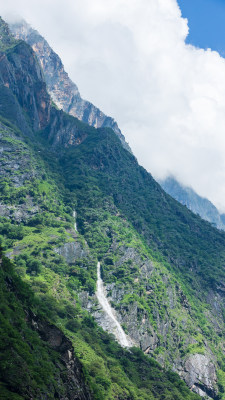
(63, 91)
(188, 197)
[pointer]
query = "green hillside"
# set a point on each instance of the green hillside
(110, 372)
(163, 267)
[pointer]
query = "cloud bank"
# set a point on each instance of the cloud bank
(129, 58)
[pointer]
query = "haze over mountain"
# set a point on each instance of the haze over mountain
(146, 78)
(195, 203)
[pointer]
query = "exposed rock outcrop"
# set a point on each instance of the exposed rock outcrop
(165, 333)
(63, 91)
(72, 251)
(200, 374)
(25, 102)
(21, 74)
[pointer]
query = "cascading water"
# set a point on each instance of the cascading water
(115, 326)
(75, 224)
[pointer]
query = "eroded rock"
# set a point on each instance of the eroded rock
(72, 251)
(200, 374)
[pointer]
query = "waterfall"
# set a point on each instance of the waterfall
(115, 326)
(75, 224)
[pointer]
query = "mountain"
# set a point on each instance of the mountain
(50, 346)
(66, 95)
(63, 91)
(73, 197)
(188, 197)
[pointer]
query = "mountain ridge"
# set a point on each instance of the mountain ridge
(66, 95)
(163, 267)
(68, 99)
(188, 197)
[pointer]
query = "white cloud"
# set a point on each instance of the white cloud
(129, 57)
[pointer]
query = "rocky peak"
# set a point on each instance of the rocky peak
(22, 84)
(51, 64)
(63, 91)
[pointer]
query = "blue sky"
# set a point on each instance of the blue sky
(206, 22)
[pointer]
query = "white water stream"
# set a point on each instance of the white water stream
(115, 326)
(75, 224)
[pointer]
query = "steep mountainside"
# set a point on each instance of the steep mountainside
(63, 91)
(162, 266)
(45, 337)
(193, 201)
(67, 97)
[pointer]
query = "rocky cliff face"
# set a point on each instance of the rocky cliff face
(193, 201)
(24, 100)
(22, 77)
(63, 91)
(168, 334)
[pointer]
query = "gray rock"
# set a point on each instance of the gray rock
(200, 374)
(63, 91)
(72, 251)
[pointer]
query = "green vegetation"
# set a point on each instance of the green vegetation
(181, 237)
(27, 366)
(110, 371)
(163, 265)
(57, 284)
